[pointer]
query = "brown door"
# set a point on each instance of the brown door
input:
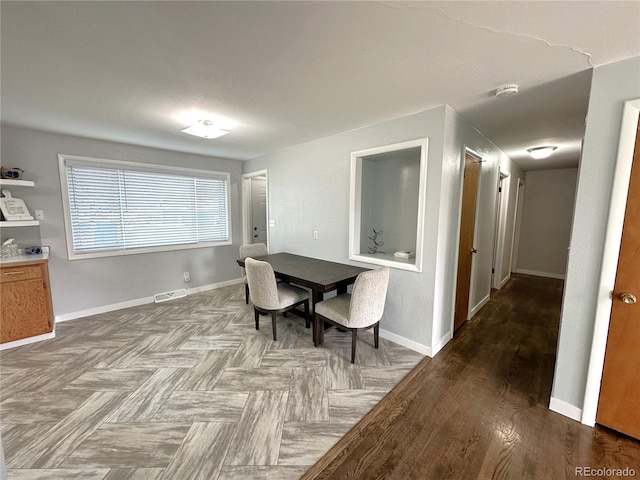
(619, 403)
(467, 229)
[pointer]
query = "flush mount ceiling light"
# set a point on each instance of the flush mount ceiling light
(541, 152)
(205, 129)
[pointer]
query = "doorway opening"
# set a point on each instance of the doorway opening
(501, 267)
(255, 208)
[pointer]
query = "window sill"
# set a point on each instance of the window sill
(388, 260)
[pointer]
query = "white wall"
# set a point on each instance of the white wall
(86, 284)
(547, 211)
(309, 190)
(612, 85)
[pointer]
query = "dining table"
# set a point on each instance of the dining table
(320, 276)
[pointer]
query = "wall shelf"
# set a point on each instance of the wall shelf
(19, 223)
(16, 183)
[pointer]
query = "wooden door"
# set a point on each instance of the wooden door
(619, 402)
(467, 231)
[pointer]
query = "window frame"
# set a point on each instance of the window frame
(139, 167)
(355, 206)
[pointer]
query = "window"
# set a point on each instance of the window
(388, 194)
(119, 208)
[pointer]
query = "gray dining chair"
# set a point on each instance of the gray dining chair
(271, 297)
(252, 250)
(362, 308)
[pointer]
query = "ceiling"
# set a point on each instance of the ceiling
(279, 74)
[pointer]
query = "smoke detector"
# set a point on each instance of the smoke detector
(507, 90)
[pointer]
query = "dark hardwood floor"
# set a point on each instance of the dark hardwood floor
(479, 409)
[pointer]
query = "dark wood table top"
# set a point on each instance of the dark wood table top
(319, 275)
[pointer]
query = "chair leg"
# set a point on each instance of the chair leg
(257, 319)
(273, 321)
(354, 334)
(246, 293)
(376, 334)
(307, 320)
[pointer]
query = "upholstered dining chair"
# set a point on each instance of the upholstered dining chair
(362, 308)
(252, 250)
(271, 297)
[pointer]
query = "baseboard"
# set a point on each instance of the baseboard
(103, 309)
(540, 274)
(439, 345)
(405, 342)
(563, 408)
(137, 302)
(505, 280)
(213, 286)
(481, 304)
(27, 341)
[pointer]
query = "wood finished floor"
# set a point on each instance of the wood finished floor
(478, 410)
(186, 390)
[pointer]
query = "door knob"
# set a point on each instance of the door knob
(628, 298)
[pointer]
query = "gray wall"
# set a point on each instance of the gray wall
(612, 85)
(390, 193)
(309, 190)
(461, 135)
(549, 197)
(92, 283)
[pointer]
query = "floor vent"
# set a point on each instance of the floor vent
(163, 297)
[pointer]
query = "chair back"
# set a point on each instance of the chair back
(263, 289)
(368, 297)
(253, 250)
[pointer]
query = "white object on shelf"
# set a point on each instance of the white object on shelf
(13, 208)
(404, 254)
(9, 248)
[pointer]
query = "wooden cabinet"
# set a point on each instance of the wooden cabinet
(25, 300)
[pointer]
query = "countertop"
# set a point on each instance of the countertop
(24, 259)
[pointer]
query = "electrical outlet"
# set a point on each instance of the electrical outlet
(187, 277)
(39, 215)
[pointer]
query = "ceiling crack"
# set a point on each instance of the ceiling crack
(441, 11)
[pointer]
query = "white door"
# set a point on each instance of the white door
(259, 210)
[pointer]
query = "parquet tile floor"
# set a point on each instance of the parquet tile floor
(186, 390)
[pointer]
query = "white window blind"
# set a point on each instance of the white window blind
(120, 207)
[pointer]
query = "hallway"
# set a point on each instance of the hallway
(479, 409)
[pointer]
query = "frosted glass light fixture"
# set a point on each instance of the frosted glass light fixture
(541, 152)
(205, 129)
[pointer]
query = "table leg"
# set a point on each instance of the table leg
(318, 333)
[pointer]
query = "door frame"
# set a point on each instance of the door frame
(500, 239)
(246, 205)
(517, 221)
(613, 239)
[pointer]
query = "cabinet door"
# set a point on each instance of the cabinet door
(25, 310)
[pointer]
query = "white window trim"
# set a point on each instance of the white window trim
(89, 161)
(356, 207)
